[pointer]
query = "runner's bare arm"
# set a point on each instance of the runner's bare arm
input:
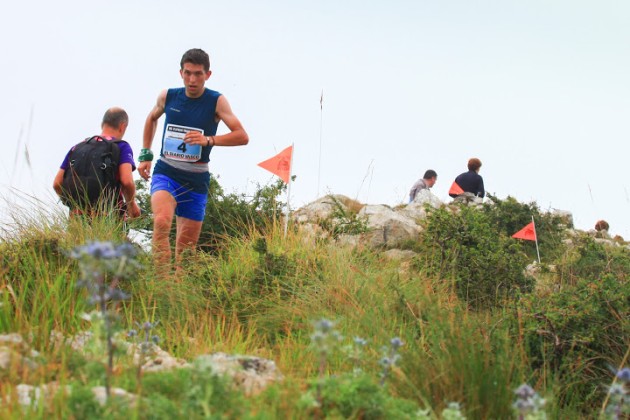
(150, 125)
(237, 135)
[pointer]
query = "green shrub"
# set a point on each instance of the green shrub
(344, 220)
(485, 265)
(590, 260)
(191, 393)
(509, 216)
(580, 332)
(82, 403)
(236, 215)
(356, 397)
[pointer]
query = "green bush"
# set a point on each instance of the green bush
(509, 216)
(485, 265)
(590, 260)
(358, 397)
(580, 332)
(343, 220)
(236, 215)
(82, 403)
(191, 393)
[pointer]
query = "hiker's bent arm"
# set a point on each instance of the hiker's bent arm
(237, 135)
(57, 182)
(128, 188)
(150, 125)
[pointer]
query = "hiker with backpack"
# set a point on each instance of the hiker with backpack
(95, 178)
(181, 177)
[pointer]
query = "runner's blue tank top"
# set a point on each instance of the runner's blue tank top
(182, 114)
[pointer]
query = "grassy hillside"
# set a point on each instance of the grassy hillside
(355, 334)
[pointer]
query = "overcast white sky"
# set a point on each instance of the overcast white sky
(538, 90)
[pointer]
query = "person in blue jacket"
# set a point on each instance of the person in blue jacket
(181, 177)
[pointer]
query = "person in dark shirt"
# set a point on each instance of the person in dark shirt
(471, 182)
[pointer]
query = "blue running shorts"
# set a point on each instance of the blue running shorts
(190, 204)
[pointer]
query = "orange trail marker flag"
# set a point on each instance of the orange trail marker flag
(528, 233)
(455, 190)
(280, 164)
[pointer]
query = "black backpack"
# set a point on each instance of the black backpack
(91, 173)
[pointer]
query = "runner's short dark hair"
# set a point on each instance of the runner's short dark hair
(474, 164)
(196, 56)
(430, 173)
(114, 117)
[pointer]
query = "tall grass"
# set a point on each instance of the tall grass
(259, 295)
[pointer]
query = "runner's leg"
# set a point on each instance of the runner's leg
(188, 232)
(163, 205)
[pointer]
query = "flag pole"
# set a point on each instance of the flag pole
(286, 219)
(321, 119)
(536, 237)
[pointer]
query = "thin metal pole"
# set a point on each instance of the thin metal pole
(536, 237)
(321, 119)
(286, 218)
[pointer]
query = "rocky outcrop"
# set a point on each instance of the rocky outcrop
(376, 226)
(153, 358)
(250, 374)
(29, 395)
(326, 208)
(387, 228)
(427, 197)
(16, 353)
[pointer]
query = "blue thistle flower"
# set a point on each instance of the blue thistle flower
(524, 391)
(624, 375)
(527, 400)
(361, 342)
(127, 250)
(324, 325)
(396, 343)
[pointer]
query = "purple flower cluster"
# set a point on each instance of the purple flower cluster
(104, 251)
(390, 357)
(528, 402)
(102, 266)
(100, 262)
(618, 393)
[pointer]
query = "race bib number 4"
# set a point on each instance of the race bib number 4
(174, 147)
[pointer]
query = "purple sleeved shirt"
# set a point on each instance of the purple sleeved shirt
(126, 155)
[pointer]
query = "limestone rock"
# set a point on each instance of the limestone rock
(15, 352)
(101, 396)
(249, 373)
(387, 228)
(155, 359)
(566, 216)
(323, 208)
(469, 199)
(426, 197)
(399, 254)
(28, 395)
